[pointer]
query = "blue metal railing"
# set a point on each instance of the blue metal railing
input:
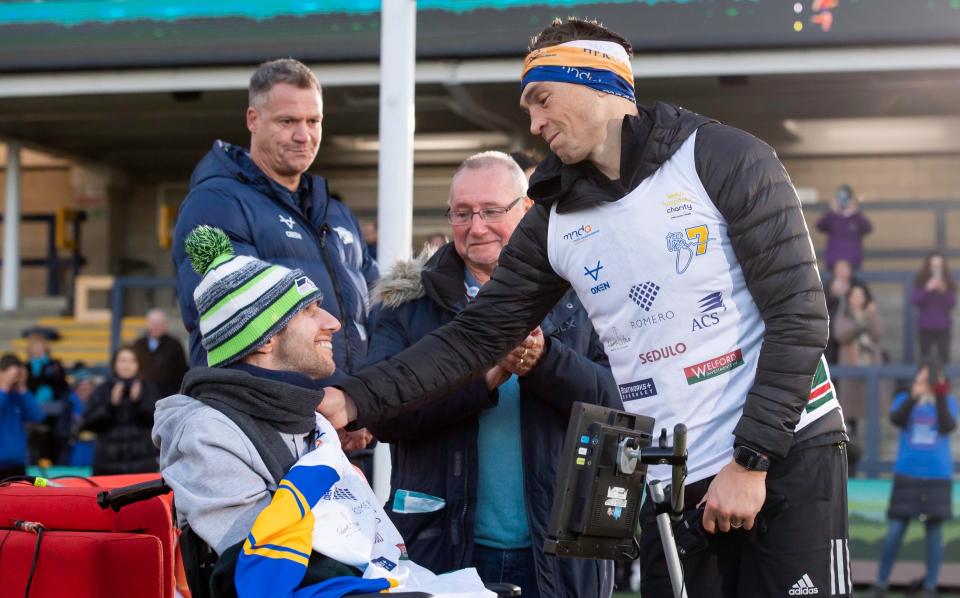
(53, 262)
(908, 317)
(873, 464)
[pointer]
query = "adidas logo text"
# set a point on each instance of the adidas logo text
(804, 587)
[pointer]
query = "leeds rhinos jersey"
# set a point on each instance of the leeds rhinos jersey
(657, 273)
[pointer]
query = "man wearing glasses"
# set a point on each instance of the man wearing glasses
(470, 486)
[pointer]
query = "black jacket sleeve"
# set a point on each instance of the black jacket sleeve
(100, 414)
(391, 336)
(900, 417)
(753, 192)
(523, 289)
(564, 376)
(945, 421)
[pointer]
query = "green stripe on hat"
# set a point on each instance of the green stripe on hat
(223, 259)
(255, 329)
(237, 292)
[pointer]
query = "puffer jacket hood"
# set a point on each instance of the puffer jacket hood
(436, 273)
(403, 282)
(229, 161)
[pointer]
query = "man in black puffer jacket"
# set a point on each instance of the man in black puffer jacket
(685, 241)
(472, 482)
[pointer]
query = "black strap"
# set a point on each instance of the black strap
(276, 455)
(198, 562)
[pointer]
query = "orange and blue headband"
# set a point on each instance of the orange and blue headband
(600, 65)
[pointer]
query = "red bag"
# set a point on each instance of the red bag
(87, 550)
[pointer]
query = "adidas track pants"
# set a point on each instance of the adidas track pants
(798, 546)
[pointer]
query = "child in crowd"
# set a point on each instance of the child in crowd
(922, 483)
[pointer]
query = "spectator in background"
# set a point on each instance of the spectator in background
(17, 407)
(922, 483)
(845, 226)
(526, 162)
(84, 383)
(470, 485)
(934, 296)
(161, 357)
(369, 229)
(841, 279)
(120, 412)
(47, 381)
(857, 329)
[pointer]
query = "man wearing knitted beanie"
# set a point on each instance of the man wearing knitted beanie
(238, 425)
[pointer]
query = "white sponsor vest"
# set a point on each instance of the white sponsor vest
(658, 276)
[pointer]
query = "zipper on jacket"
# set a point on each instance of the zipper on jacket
(324, 231)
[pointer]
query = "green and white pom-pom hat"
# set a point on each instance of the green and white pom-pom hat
(242, 301)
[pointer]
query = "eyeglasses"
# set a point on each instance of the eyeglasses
(488, 215)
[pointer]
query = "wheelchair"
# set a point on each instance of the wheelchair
(200, 560)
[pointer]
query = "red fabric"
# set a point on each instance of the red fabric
(75, 509)
(83, 565)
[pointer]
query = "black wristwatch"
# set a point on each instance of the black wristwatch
(746, 457)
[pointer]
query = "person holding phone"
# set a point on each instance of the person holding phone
(18, 407)
(845, 227)
(922, 482)
(934, 297)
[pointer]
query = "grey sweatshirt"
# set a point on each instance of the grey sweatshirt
(220, 483)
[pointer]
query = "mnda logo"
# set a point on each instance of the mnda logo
(579, 234)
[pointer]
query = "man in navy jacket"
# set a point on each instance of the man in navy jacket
(271, 209)
(473, 475)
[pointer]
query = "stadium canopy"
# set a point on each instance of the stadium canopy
(146, 85)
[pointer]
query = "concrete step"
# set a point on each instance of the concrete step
(72, 342)
(95, 334)
(88, 357)
(88, 342)
(64, 322)
(40, 306)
